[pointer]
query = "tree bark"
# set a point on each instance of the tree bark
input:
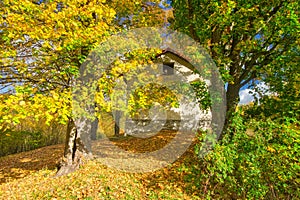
(77, 146)
(117, 123)
(232, 100)
(218, 98)
(94, 129)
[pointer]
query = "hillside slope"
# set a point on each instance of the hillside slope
(29, 175)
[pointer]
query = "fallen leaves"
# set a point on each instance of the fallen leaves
(94, 180)
(20, 165)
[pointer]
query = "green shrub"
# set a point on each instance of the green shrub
(260, 161)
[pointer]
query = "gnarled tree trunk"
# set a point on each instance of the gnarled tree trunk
(77, 146)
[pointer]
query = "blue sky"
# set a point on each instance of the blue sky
(246, 97)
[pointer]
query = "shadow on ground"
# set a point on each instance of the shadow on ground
(20, 165)
(17, 166)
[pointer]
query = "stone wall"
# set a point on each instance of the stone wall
(138, 126)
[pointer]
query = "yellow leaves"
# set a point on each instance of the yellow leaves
(47, 44)
(22, 103)
(94, 180)
(44, 22)
(54, 95)
(75, 24)
(11, 35)
(59, 48)
(271, 149)
(60, 24)
(111, 13)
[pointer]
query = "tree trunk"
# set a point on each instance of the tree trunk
(77, 146)
(117, 122)
(94, 129)
(232, 100)
(218, 98)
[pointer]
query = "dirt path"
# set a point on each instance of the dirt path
(133, 154)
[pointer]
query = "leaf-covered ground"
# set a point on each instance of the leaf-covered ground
(17, 166)
(29, 175)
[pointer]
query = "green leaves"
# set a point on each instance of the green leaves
(243, 38)
(260, 160)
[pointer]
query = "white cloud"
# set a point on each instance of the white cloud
(246, 97)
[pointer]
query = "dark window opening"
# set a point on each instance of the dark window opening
(168, 68)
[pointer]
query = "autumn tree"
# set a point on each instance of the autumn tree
(43, 45)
